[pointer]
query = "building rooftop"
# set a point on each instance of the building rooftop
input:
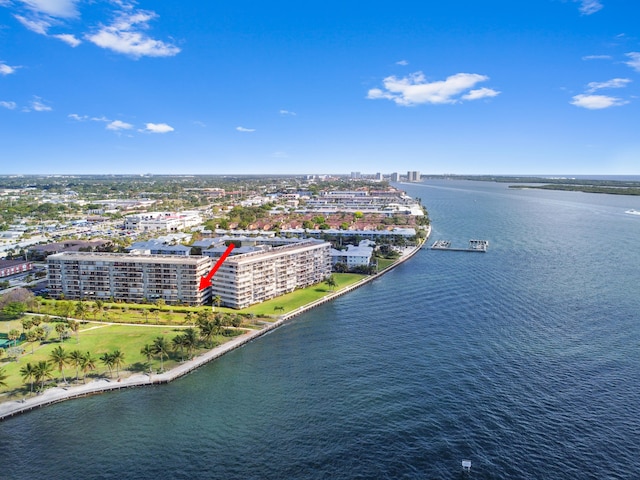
(129, 258)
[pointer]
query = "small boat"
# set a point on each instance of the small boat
(633, 212)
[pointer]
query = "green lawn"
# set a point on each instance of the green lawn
(173, 315)
(384, 263)
(97, 339)
(301, 297)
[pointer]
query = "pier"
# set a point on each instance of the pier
(474, 246)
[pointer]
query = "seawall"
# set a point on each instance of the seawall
(60, 394)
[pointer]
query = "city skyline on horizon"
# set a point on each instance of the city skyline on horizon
(137, 87)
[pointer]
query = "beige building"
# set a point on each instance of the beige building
(250, 278)
(130, 278)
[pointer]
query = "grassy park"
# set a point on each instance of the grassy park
(100, 330)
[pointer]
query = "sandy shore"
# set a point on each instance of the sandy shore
(59, 394)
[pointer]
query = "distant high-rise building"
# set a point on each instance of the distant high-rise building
(356, 175)
(395, 177)
(378, 176)
(413, 176)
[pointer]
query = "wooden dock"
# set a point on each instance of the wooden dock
(474, 246)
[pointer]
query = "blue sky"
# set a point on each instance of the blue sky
(211, 87)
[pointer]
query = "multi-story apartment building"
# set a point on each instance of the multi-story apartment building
(413, 176)
(131, 278)
(249, 278)
(162, 221)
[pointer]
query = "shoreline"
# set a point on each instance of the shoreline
(60, 394)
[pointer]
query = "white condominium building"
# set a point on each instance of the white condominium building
(162, 221)
(130, 278)
(249, 278)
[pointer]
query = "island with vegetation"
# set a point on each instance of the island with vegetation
(605, 186)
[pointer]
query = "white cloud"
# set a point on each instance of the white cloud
(38, 106)
(480, 93)
(596, 57)
(68, 39)
(613, 83)
(118, 125)
(635, 60)
(403, 63)
(125, 36)
(158, 128)
(7, 69)
(53, 8)
(242, 129)
(415, 89)
(287, 112)
(597, 102)
(79, 118)
(37, 25)
(9, 105)
(587, 7)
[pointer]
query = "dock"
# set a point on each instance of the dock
(474, 246)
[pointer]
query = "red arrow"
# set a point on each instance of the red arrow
(206, 281)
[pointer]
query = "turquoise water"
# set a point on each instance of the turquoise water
(525, 360)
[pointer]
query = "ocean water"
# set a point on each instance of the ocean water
(524, 360)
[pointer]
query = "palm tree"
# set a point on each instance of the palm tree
(202, 317)
(118, 360)
(59, 357)
(217, 300)
(147, 351)
(87, 364)
(179, 342)
(3, 377)
(331, 282)
(190, 340)
(27, 323)
(97, 308)
(107, 360)
(207, 330)
(42, 372)
(81, 309)
(32, 337)
(145, 314)
(75, 359)
(161, 348)
(13, 336)
(28, 373)
(41, 333)
(75, 328)
(60, 329)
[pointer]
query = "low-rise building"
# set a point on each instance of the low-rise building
(162, 221)
(40, 252)
(156, 247)
(131, 278)
(353, 256)
(13, 267)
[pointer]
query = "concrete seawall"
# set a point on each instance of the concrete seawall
(60, 394)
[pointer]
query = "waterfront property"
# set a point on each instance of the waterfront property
(131, 278)
(353, 256)
(250, 278)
